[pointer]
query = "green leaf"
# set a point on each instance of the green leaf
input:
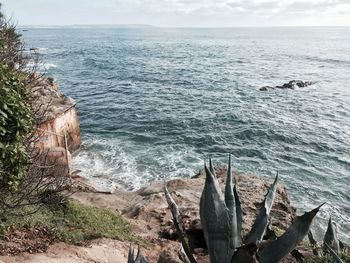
(211, 167)
(275, 250)
(215, 220)
(3, 114)
(262, 220)
(235, 212)
(330, 237)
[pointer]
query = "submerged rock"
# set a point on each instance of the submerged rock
(293, 84)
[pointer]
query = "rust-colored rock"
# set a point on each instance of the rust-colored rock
(57, 119)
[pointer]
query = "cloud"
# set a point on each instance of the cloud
(184, 12)
(248, 6)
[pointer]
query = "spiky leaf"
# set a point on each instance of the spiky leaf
(262, 219)
(239, 212)
(131, 255)
(183, 255)
(274, 251)
(313, 242)
(211, 167)
(215, 220)
(234, 206)
(179, 225)
(330, 237)
(140, 258)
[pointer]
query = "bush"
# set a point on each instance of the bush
(24, 173)
(16, 122)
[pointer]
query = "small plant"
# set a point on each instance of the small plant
(333, 249)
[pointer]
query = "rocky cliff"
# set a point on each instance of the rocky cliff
(57, 121)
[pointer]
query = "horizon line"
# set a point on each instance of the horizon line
(184, 27)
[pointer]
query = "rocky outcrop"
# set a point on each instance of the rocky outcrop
(148, 212)
(293, 84)
(58, 129)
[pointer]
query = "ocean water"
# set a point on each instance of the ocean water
(154, 103)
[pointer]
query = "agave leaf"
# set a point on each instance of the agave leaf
(311, 238)
(275, 250)
(330, 237)
(211, 167)
(179, 225)
(313, 242)
(334, 254)
(262, 219)
(131, 255)
(239, 214)
(234, 211)
(215, 220)
(140, 258)
(183, 255)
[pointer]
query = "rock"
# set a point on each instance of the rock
(168, 257)
(293, 84)
(56, 116)
(148, 212)
(266, 88)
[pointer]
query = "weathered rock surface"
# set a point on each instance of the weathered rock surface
(150, 217)
(56, 117)
(293, 84)
(148, 213)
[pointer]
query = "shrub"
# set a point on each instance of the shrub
(16, 122)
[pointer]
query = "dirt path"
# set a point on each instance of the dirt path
(100, 250)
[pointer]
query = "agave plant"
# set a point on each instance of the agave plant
(222, 218)
(331, 244)
(140, 258)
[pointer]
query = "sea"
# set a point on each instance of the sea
(155, 103)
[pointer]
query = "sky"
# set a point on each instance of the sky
(180, 13)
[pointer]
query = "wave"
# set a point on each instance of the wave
(41, 67)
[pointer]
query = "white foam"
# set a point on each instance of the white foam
(114, 163)
(48, 66)
(42, 67)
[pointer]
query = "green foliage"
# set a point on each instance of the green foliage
(16, 122)
(74, 223)
(327, 258)
(262, 220)
(16, 119)
(216, 219)
(11, 46)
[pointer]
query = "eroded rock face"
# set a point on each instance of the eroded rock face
(293, 84)
(56, 116)
(148, 212)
